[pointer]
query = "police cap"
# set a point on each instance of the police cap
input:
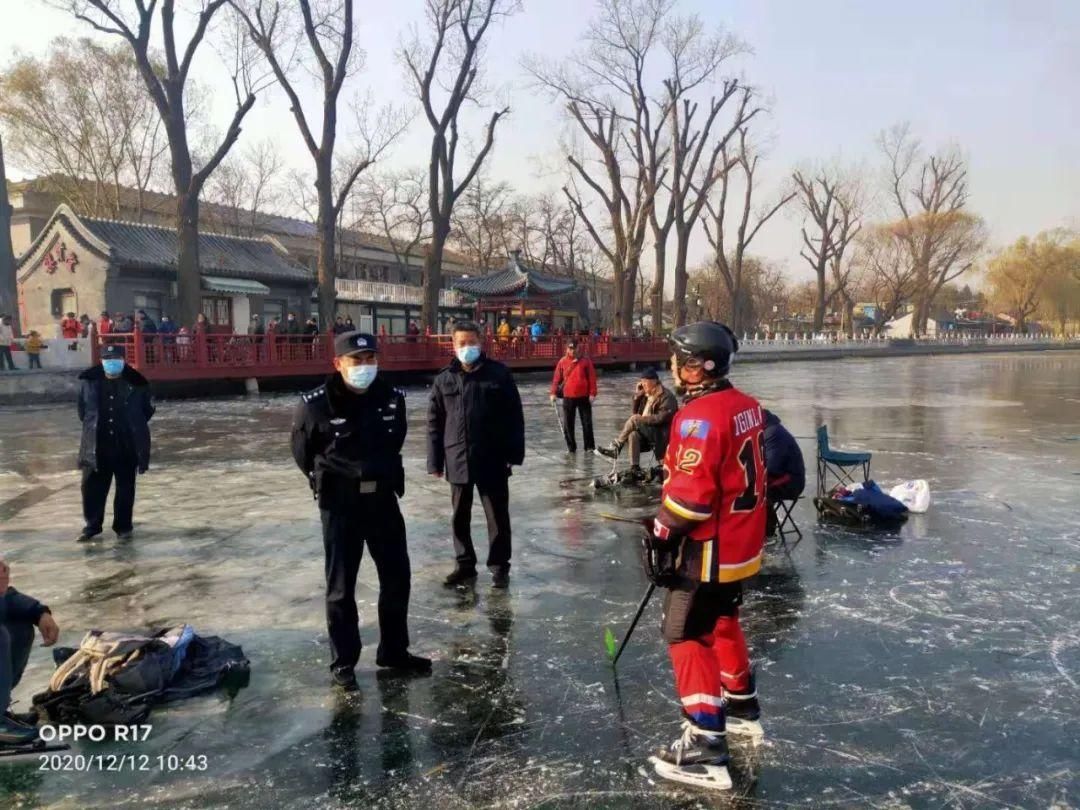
(354, 343)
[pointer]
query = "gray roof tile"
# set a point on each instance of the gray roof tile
(148, 246)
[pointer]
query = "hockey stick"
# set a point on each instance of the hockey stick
(637, 617)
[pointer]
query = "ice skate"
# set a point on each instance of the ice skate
(697, 758)
(743, 713)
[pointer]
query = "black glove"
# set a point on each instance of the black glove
(659, 556)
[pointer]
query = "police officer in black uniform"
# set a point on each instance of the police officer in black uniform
(347, 437)
(115, 408)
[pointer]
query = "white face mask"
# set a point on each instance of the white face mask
(360, 377)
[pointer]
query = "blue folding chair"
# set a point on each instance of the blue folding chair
(839, 464)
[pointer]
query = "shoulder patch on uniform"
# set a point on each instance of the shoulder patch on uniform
(694, 428)
(314, 394)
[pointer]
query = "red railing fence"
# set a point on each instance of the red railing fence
(213, 355)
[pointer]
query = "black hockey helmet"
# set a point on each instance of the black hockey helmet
(708, 343)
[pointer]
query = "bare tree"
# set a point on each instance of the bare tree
(82, 121)
(396, 203)
(604, 90)
(9, 290)
(931, 195)
(730, 257)
(445, 69)
(831, 203)
(327, 31)
(694, 146)
(888, 276)
(764, 286)
(244, 186)
(479, 222)
(167, 89)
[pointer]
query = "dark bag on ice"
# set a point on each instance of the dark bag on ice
(877, 503)
(866, 506)
(117, 678)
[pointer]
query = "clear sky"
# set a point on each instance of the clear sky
(1001, 78)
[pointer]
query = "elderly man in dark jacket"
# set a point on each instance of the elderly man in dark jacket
(19, 615)
(649, 427)
(476, 432)
(115, 408)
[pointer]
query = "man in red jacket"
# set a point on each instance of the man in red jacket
(104, 324)
(575, 383)
(709, 533)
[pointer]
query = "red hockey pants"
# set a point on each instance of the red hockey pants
(707, 646)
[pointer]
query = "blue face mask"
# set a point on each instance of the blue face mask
(360, 377)
(113, 367)
(468, 354)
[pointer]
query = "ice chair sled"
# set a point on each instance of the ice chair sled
(838, 464)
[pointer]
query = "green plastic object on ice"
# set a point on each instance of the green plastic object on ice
(610, 642)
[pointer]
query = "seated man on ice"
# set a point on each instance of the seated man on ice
(784, 465)
(19, 615)
(650, 426)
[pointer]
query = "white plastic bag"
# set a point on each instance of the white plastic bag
(915, 495)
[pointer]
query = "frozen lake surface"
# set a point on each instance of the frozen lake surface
(935, 667)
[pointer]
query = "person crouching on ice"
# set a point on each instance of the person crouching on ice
(712, 522)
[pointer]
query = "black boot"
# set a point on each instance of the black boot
(345, 678)
(86, 537)
(15, 733)
(459, 576)
(28, 719)
(699, 757)
(500, 577)
(404, 664)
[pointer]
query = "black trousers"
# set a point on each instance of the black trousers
(375, 520)
(95, 492)
(5, 357)
(495, 496)
(571, 406)
(16, 639)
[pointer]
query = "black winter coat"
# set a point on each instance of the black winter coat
(138, 410)
(783, 456)
(340, 438)
(476, 427)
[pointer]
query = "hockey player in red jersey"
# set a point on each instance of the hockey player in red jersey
(710, 528)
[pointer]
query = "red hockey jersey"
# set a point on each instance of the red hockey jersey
(714, 492)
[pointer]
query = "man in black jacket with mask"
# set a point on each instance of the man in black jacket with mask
(115, 408)
(476, 431)
(347, 437)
